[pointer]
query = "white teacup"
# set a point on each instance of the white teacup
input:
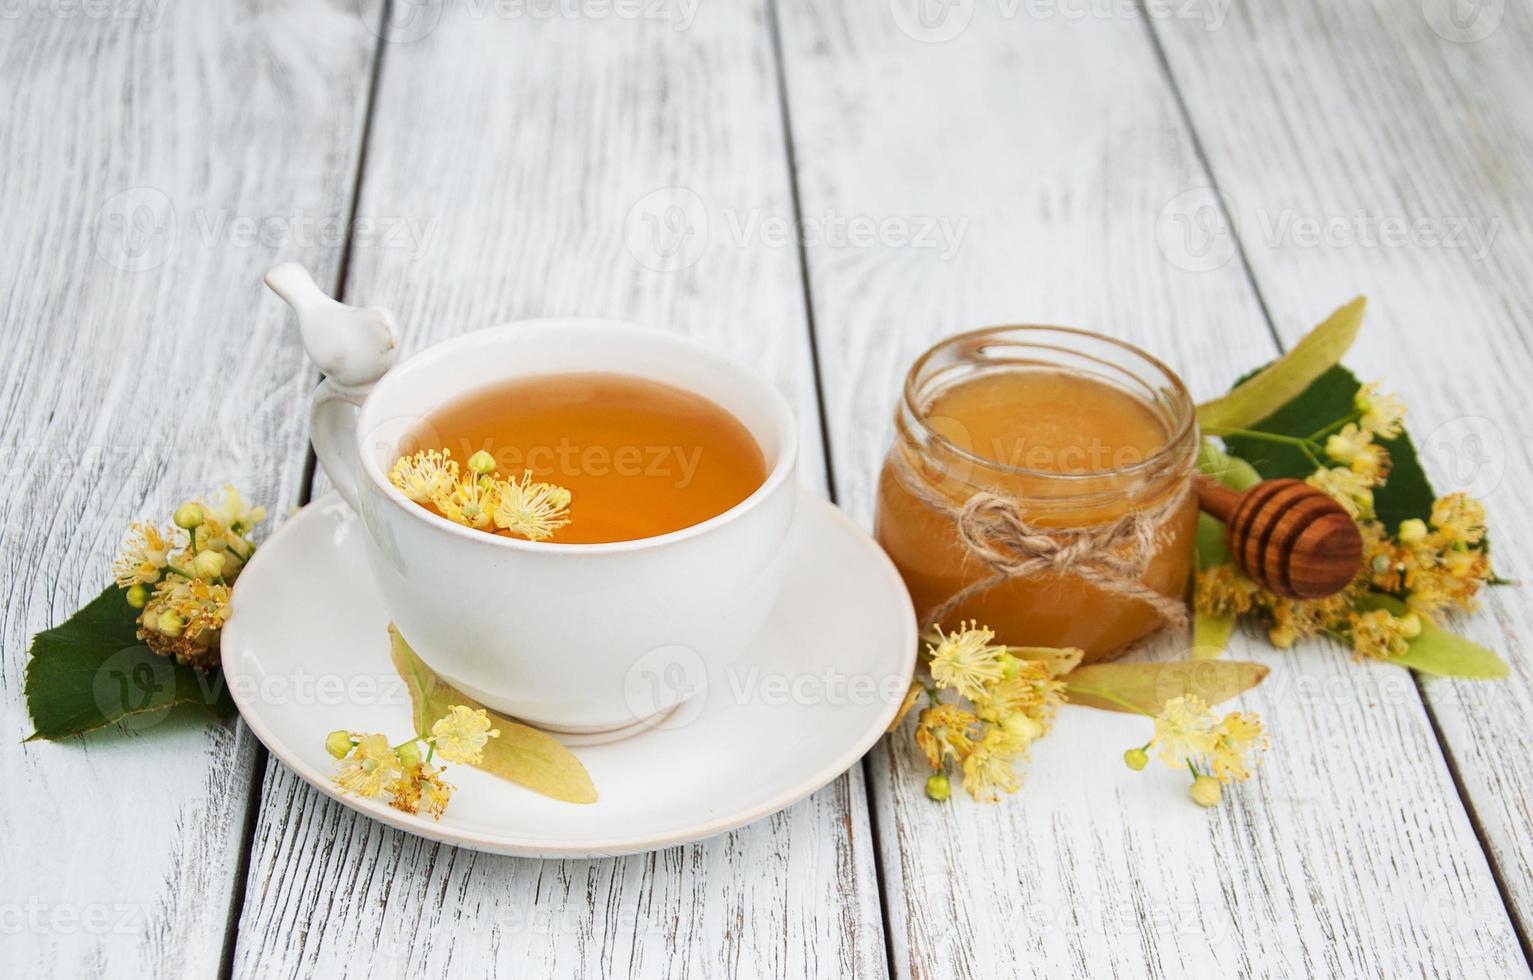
(582, 638)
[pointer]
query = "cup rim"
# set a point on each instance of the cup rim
(776, 403)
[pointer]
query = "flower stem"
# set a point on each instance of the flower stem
(1307, 446)
(1335, 426)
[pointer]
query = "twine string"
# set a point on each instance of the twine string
(1113, 556)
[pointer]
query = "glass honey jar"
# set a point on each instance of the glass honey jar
(1040, 484)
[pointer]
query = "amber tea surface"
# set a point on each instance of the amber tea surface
(640, 458)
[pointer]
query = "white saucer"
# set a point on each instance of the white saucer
(306, 651)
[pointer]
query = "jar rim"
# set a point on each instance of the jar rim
(1161, 457)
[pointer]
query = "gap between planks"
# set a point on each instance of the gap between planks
(306, 486)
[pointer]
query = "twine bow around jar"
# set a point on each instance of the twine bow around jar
(1113, 556)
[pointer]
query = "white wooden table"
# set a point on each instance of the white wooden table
(1207, 181)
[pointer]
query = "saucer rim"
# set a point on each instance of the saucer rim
(522, 846)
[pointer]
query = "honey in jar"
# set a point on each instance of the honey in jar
(1068, 436)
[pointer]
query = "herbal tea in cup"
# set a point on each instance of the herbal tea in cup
(661, 578)
(581, 458)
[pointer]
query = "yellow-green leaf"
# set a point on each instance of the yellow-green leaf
(1438, 652)
(1145, 688)
(1232, 471)
(912, 694)
(1281, 381)
(1058, 660)
(1447, 654)
(1212, 547)
(1210, 635)
(521, 754)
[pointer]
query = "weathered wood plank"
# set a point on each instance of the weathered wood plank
(531, 149)
(1059, 142)
(1366, 148)
(156, 157)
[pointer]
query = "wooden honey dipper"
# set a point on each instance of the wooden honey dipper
(1287, 536)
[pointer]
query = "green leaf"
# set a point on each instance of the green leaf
(1281, 381)
(1145, 688)
(1210, 634)
(1330, 398)
(92, 670)
(1439, 652)
(521, 754)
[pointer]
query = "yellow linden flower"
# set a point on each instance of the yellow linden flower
(989, 766)
(965, 661)
(234, 513)
(1224, 590)
(1294, 620)
(1378, 635)
(461, 734)
(1352, 490)
(945, 731)
(1384, 561)
(1346, 445)
(144, 555)
(425, 475)
(1241, 739)
(422, 787)
(1031, 691)
(1355, 447)
(1382, 414)
(1459, 518)
(193, 606)
(532, 510)
(1184, 730)
(370, 769)
(471, 502)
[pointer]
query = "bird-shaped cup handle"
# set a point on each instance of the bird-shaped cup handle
(354, 346)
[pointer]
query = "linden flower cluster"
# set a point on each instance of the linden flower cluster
(369, 766)
(181, 576)
(1011, 702)
(481, 498)
(1434, 566)
(1362, 464)
(1214, 752)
